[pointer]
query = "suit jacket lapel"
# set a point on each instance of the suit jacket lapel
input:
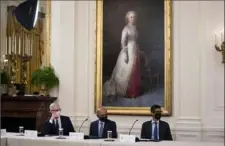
(150, 127)
(105, 129)
(97, 128)
(160, 130)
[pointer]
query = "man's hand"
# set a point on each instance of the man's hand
(53, 117)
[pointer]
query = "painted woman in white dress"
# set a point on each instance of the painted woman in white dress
(126, 78)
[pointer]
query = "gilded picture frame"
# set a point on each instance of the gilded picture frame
(47, 33)
(167, 107)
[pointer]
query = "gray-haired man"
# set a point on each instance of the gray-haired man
(57, 121)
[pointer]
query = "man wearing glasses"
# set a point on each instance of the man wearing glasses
(57, 121)
(156, 129)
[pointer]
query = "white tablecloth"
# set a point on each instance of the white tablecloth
(48, 141)
(12, 140)
(3, 141)
(162, 143)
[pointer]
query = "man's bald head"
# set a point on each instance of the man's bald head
(102, 111)
(102, 114)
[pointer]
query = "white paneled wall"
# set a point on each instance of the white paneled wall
(63, 52)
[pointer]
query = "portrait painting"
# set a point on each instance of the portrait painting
(133, 56)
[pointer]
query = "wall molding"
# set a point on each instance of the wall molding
(213, 134)
(219, 108)
(189, 122)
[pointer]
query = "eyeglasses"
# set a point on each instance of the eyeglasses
(56, 110)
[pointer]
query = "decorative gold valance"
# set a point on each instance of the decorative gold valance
(24, 49)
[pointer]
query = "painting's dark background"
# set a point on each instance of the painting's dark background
(150, 26)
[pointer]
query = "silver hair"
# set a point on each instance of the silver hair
(128, 14)
(52, 105)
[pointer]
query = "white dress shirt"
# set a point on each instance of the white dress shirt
(99, 125)
(59, 122)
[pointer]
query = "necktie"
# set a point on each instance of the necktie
(155, 132)
(57, 125)
(101, 129)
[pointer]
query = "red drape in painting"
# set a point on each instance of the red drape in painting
(133, 89)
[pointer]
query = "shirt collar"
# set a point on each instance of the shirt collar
(100, 122)
(155, 121)
(58, 120)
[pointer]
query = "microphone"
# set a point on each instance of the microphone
(83, 124)
(132, 126)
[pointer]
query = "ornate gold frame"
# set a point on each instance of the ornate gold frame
(167, 109)
(48, 32)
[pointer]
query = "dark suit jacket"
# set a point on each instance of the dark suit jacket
(109, 126)
(164, 130)
(67, 126)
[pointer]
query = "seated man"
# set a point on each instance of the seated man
(156, 129)
(57, 121)
(100, 127)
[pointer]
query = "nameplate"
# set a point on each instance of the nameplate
(127, 138)
(3, 132)
(30, 133)
(76, 136)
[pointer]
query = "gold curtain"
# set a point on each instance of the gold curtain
(24, 50)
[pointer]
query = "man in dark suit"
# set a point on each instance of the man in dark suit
(57, 121)
(156, 129)
(100, 127)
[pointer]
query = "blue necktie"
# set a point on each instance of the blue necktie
(101, 130)
(155, 132)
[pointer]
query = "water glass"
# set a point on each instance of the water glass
(21, 130)
(60, 132)
(109, 134)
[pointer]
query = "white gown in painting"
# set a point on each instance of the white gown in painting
(125, 79)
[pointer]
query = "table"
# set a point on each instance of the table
(3, 141)
(12, 140)
(162, 143)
